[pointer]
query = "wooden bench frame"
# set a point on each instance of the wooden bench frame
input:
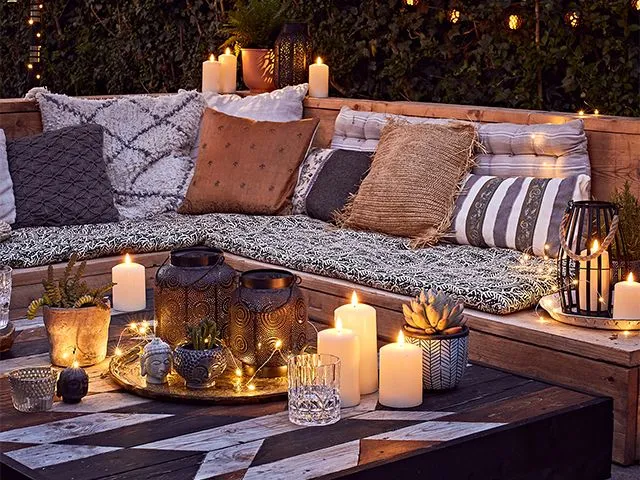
(600, 362)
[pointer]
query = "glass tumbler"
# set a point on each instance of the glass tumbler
(32, 388)
(5, 295)
(314, 389)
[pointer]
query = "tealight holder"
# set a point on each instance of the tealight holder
(32, 388)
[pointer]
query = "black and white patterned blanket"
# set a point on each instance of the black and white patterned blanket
(493, 280)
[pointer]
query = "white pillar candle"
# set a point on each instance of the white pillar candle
(228, 72)
(400, 374)
(626, 299)
(344, 344)
(589, 280)
(319, 79)
(211, 75)
(361, 319)
(129, 291)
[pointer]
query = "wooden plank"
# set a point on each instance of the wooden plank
(16, 125)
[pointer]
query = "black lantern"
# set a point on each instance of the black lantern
(592, 257)
(292, 53)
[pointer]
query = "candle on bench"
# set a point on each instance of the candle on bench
(400, 374)
(626, 299)
(318, 79)
(211, 75)
(590, 280)
(129, 291)
(228, 72)
(361, 319)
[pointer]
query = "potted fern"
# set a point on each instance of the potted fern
(435, 323)
(202, 359)
(253, 26)
(76, 316)
(629, 213)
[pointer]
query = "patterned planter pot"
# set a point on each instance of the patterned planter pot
(199, 368)
(444, 358)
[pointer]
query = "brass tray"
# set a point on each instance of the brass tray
(551, 303)
(126, 372)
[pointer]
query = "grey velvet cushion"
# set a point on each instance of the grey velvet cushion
(60, 178)
(7, 202)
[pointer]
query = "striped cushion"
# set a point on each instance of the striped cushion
(522, 213)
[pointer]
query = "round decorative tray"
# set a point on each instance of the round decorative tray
(227, 390)
(551, 303)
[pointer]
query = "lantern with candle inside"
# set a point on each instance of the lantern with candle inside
(592, 250)
(318, 79)
(292, 54)
(73, 383)
(626, 299)
(129, 290)
(211, 75)
(400, 374)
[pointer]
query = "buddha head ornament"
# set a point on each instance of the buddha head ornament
(73, 384)
(156, 361)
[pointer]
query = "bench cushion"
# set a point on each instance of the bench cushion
(489, 279)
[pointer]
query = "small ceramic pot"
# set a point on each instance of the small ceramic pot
(199, 368)
(257, 69)
(444, 358)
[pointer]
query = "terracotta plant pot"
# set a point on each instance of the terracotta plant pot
(444, 358)
(199, 368)
(85, 329)
(257, 69)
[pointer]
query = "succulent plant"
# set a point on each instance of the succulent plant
(434, 313)
(203, 336)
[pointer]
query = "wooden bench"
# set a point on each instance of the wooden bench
(602, 362)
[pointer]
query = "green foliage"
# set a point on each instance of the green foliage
(629, 219)
(69, 291)
(255, 23)
(203, 336)
(434, 313)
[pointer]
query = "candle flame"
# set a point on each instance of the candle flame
(630, 277)
(75, 364)
(319, 60)
(354, 298)
(227, 51)
(595, 245)
(339, 323)
(401, 338)
(212, 58)
(127, 258)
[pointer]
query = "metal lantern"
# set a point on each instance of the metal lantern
(592, 257)
(292, 53)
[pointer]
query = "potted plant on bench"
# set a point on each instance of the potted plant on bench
(435, 322)
(76, 316)
(630, 224)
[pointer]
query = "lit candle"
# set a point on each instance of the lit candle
(129, 293)
(228, 69)
(590, 280)
(211, 75)
(626, 299)
(400, 374)
(361, 319)
(344, 344)
(319, 79)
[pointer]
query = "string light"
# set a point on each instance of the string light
(581, 113)
(572, 19)
(238, 372)
(34, 63)
(514, 22)
(411, 3)
(596, 112)
(635, 4)
(454, 16)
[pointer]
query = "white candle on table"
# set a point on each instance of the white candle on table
(318, 79)
(211, 75)
(590, 280)
(228, 72)
(400, 374)
(626, 299)
(344, 344)
(361, 319)
(129, 291)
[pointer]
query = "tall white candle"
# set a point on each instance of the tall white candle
(129, 293)
(588, 279)
(211, 75)
(400, 374)
(319, 79)
(361, 319)
(344, 344)
(626, 299)
(228, 72)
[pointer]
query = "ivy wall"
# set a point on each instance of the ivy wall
(376, 49)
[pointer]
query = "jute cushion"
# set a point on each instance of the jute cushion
(413, 183)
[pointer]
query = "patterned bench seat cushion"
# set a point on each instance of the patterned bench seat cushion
(489, 279)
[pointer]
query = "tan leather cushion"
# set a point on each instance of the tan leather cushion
(246, 166)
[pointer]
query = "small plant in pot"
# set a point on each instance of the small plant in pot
(76, 316)
(202, 359)
(435, 322)
(629, 214)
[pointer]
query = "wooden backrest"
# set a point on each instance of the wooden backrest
(614, 142)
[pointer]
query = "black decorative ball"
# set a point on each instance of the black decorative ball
(73, 384)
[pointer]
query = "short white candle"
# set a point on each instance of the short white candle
(319, 79)
(344, 344)
(400, 374)
(228, 72)
(626, 299)
(590, 281)
(211, 75)
(129, 291)
(361, 319)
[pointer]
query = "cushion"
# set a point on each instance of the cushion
(338, 180)
(146, 146)
(522, 213)
(60, 178)
(247, 166)
(414, 178)
(508, 150)
(7, 202)
(308, 172)
(488, 279)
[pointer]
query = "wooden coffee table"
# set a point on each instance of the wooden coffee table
(495, 425)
